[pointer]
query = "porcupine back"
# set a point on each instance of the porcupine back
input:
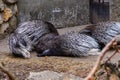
(103, 32)
(70, 44)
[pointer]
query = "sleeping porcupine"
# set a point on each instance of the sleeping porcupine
(103, 32)
(70, 44)
(26, 36)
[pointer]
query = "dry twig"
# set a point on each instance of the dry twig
(103, 52)
(111, 56)
(10, 75)
(116, 51)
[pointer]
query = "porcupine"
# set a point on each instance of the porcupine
(70, 44)
(26, 36)
(103, 32)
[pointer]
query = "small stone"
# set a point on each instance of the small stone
(13, 22)
(1, 19)
(14, 9)
(10, 1)
(1, 5)
(7, 14)
(3, 28)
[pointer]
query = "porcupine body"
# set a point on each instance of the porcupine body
(29, 33)
(70, 44)
(103, 32)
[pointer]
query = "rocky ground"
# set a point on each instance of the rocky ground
(21, 68)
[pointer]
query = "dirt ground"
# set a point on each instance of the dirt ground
(79, 66)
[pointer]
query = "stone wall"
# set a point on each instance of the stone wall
(62, 13)
(8, 20)
(115, 10)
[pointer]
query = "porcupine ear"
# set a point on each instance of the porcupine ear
(52, 28)
(87, 30)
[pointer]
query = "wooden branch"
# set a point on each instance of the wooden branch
(111, 56)
(116, 51)
(10, 75)
(103, 52)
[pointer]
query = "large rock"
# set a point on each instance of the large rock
(8, 17)
(51, 75)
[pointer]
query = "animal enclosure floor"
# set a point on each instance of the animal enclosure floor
(79, 66)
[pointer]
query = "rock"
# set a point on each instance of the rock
(14, 9)
(7, 14)
(3, 28)
(1, 19)
(8, 20)
(51, 75)
(13, 22)
(1, 5)
(10, 1)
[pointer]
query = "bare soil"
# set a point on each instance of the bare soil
(79, 66)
